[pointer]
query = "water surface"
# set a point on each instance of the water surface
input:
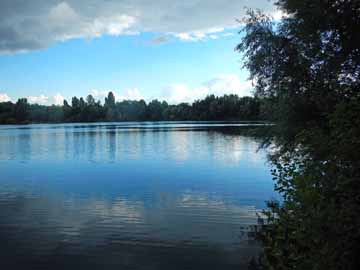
(130, 195)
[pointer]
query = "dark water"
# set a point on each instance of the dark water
(129, 196)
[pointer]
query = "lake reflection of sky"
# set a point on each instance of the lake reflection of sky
(129, 184)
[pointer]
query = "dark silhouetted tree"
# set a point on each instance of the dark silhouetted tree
(21, 110)
(307, 66)
(90, 100)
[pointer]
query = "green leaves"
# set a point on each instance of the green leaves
(308, 66)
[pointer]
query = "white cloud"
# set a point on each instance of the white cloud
(4, 97)
(220, 85)
(62, 13)
(42, 99)
(71, 25)
(177, 93)
(99, 95)
(128, 94)
(223, 84)
(58, 99)
(229, 84)
(199, 34)
(36, 24)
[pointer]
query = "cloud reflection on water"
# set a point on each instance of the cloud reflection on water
(161, 195)
(111, 143)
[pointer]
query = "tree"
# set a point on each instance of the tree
(228, 107)
(155, 110)
(110, 114)
(66, 110)
(75, 105)
(21, 110)
(90, 100)
(82, 103)
(110, 100)
(7, 113)
(308, 66)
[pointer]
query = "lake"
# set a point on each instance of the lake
(178, 195)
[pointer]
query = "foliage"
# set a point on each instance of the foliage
(308, 67)
(227, 107)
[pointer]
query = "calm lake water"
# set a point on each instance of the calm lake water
(130, 195)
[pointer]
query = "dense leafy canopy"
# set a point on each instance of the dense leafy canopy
(308, 66)
(228, 107)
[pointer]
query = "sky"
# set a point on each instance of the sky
(178, 50)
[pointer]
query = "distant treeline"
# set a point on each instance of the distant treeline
(227, 107)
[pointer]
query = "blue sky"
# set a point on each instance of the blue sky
(63, 49)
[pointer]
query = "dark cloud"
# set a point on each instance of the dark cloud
(11, 41)
(160, 40)
(28, 25)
